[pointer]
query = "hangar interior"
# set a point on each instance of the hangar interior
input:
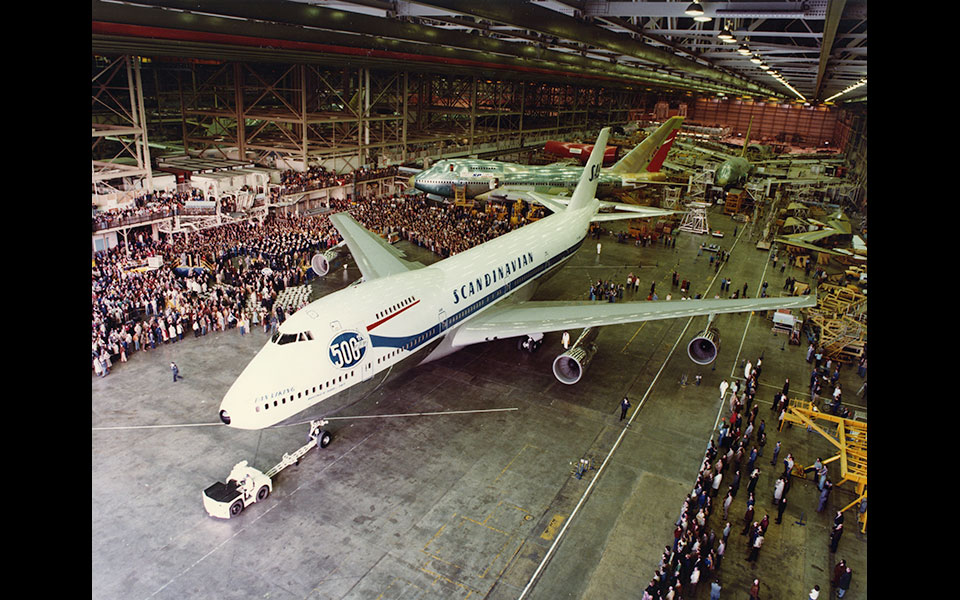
(226, 135)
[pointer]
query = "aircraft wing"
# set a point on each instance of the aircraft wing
(544, 316)
(805, 245)
(558, 203)
(555, 203)
(812, 236)
(716, 154)
(375, 257)
(634, 214)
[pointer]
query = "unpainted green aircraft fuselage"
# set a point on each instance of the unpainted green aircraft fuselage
(479, 176)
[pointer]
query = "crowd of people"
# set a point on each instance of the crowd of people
(318, 177)
(160, 204)
(237, 270)
(144, 206)
(700, 544)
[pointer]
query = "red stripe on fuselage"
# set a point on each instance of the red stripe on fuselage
(385, 319)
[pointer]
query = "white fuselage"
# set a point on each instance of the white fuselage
(338, 348)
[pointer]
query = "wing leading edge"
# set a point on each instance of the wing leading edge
(546, 316)
(375, 257)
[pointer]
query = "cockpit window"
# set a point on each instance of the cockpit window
(285, 338)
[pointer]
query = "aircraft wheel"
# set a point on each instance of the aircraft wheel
(324, 440)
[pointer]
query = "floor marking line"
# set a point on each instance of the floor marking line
(260, 516)
(630, 341)
(420, 414)
(122, 427)
(596, 477)
(428, 414)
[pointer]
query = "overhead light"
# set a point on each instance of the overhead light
(703, 19)
(764, 67)
(726, 36)
(744, 50)
(860, 83)
(755, 59)
(694, 10)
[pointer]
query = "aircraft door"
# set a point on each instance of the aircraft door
(442, 320)
(366, 371)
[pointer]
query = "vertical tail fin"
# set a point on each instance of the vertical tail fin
(639, 158)
(586, 189)
(746, 140)
(657, 161)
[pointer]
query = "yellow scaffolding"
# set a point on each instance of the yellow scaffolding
(848, 436)
(841, 317)
(460, 196)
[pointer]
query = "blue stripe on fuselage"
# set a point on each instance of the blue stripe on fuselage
(408, 343)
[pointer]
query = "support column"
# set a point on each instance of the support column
(303, 112)
(403, 134)
(140, 120)
(473, 110)
(238, 101)
(523, 90)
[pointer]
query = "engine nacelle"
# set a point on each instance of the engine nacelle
(570, 366)
(322, 262)
(703, 348)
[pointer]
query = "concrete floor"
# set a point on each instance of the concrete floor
(464, 505)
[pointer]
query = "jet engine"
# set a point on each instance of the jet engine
(322, 262)
(703, 348)
(570, 366)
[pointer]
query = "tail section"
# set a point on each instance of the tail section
(643, 156)
(746, 140)
(657, 161)
(586, 189)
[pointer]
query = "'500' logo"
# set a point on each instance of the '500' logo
(347, 349)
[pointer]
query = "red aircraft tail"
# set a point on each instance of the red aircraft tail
(657, 161)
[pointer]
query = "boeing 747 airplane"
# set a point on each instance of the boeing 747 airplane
(480, 178)
(339, 348)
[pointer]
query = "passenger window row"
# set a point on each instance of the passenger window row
(395, 307)
(388, 355)
(321, 387)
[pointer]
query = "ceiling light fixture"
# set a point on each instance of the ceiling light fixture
(860, 83)
(694, 10)
(744, 50)
(755, 59)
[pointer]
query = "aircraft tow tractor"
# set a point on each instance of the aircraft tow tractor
(246, 485)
